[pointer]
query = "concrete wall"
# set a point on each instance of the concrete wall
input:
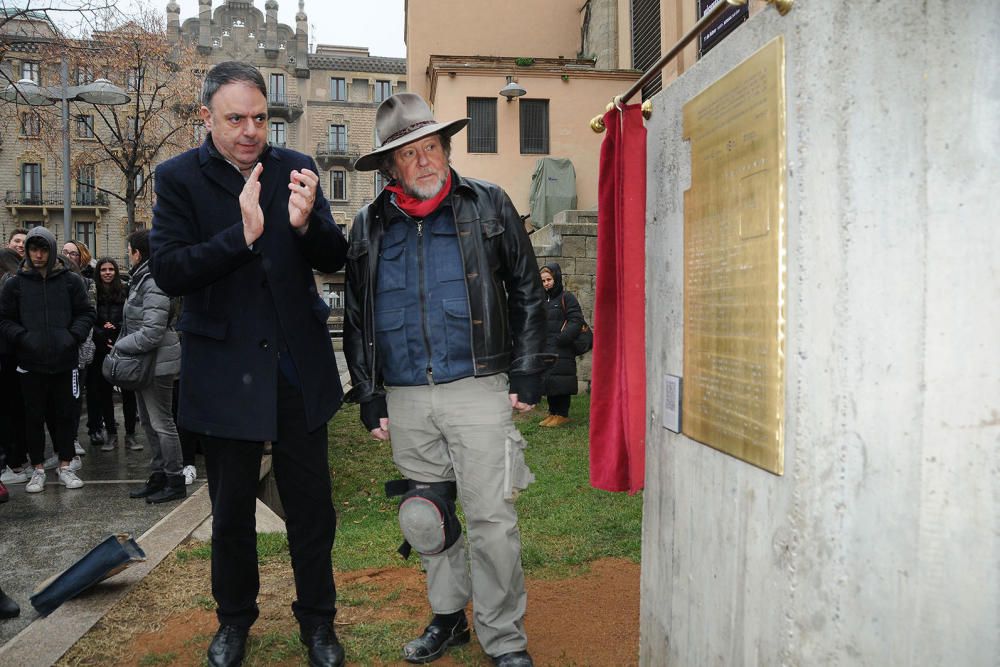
(879, 545)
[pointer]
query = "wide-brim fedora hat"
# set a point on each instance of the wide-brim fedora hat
(400, 119)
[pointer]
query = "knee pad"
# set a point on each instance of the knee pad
(427, 516)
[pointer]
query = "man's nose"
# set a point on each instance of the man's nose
(249, 126)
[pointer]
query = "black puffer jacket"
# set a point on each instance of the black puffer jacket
(565, 318)
(501, 274)
(109, 311)
(45, 317)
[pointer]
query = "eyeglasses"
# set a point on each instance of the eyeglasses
(73, 253)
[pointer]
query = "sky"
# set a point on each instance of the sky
(377, 24)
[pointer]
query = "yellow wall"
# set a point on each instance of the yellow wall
(571, 106)
(528, 28)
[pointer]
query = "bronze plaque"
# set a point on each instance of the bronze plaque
(734, 262)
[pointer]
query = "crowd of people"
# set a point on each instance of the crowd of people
(449, 329)
(60, 315)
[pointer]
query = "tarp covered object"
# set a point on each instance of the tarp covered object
(618, 380)
(553, 189)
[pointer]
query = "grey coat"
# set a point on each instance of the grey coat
(148, 323)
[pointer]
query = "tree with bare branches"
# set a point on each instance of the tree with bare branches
(162, 79)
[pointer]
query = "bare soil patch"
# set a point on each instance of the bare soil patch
(591, 619)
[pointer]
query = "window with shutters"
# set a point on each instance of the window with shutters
(534, 126)
(338, 184)
(482, 129)
(31, 71)
(276, 91)
(31, 124)
(31, 183)
(383, 90)
(86, 181)
(133, 81)
(337, 139)
(338, 89)
(646, 41)
(85, 126)
(85, 233)
(277, 134)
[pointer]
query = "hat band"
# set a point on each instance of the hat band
(406, 130)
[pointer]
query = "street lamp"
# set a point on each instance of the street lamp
(100, 91)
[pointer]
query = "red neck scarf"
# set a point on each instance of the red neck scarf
(416, 207)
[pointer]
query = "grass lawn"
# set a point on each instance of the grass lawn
(565, 526)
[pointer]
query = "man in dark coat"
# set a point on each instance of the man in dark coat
(238, 227)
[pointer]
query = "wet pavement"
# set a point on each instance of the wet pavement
(42, 534)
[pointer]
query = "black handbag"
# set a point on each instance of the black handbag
(584, 341)
(129, 372)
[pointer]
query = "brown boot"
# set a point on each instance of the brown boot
(545, 422)
(556, 421)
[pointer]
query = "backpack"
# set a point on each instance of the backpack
(584, 341)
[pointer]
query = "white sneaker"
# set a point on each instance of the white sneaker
(69, 478)
(78, 448)
(10, 477)
(51, 462)
(75, 464)
(190, 474)
(37, 482)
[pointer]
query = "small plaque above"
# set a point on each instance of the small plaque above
(734, 262)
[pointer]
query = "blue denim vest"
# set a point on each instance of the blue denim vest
(423, 331)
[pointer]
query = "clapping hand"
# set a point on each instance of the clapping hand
(300, 202)
(253, 216)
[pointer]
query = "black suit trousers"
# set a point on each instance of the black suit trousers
(301, 470)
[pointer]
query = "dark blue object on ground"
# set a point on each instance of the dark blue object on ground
(107, 559)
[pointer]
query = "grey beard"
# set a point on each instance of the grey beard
(424, 194)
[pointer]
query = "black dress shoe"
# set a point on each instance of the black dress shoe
(514, 659)
(437, 637)
(156, 481)
(8, 608)
(324, 648)
(226, 649)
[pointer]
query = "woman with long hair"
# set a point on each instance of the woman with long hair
(111, 294)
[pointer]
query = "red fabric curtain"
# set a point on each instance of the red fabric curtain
(618, 385)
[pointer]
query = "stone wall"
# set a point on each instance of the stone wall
(571, 241)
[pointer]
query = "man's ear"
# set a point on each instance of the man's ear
(206, 117)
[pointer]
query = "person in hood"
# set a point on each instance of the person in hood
(565, 319)
(45, 314)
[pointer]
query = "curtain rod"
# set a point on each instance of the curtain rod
(597, 124)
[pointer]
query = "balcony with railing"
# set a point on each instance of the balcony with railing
(284, 106)
(44, 200)
(331, 154)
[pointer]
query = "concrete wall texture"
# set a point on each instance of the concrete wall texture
(880, 545)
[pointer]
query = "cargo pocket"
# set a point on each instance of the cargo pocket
(516, 474)
(390, 336)
(392, 267)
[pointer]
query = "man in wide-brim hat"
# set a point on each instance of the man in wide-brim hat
(444, 331)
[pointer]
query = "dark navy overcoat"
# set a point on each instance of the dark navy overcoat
(239, 303)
